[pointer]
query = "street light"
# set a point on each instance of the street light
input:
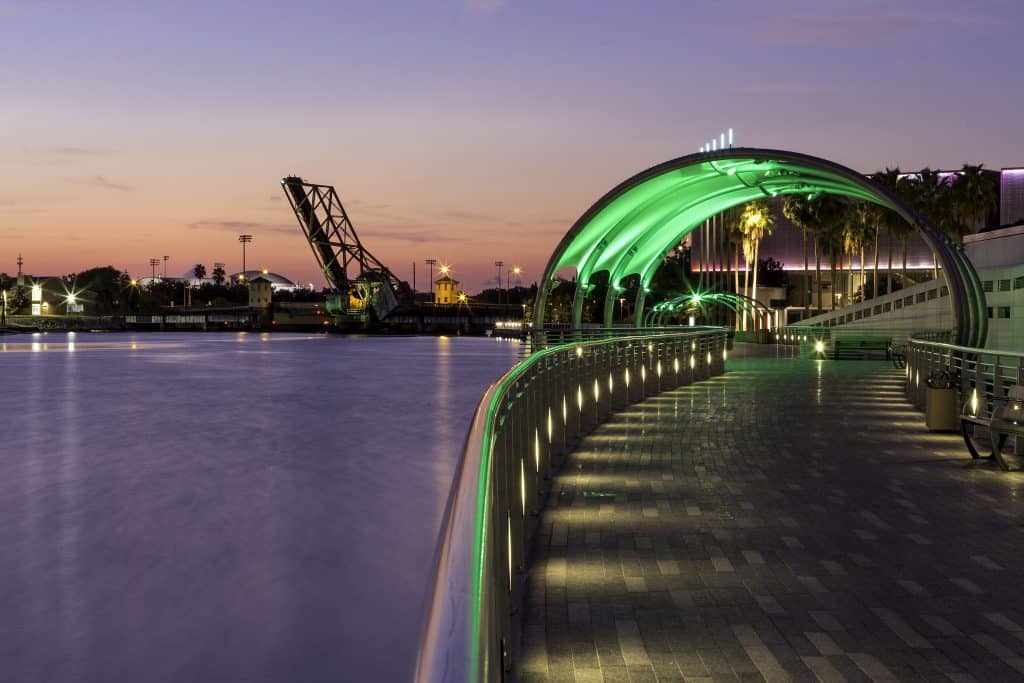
(153, 263)
(244, 239)
(431, 262)
(499, 265)
(516, 270)
(165, 266)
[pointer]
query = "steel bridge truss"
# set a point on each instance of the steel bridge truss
(347, 265)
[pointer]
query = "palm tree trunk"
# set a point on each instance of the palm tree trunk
(736, 273)
(807, 279)
(757, 248)
(888, 268)
(862, 288)
(905, 261)
(746, 285)
(874, 273)
(832, 294)
(817, 271)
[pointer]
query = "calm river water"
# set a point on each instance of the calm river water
(216, 507)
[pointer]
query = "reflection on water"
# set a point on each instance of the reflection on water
(225, 507)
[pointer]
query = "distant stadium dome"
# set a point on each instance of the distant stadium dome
(277, 282)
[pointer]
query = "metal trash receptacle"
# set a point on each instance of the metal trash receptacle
(940, 412)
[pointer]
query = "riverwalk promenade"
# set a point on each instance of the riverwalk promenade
(789, 520)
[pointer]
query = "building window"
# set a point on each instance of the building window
(989, 309)
(877, 310)
(987, 285)
(1004, 285)
(898, 303)
(887, 307)
(1018, 283)
(944, 291)
(908, 301)
(933, 294)
(920, 297)
(1004, 311)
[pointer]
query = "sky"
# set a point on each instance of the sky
(463, 130)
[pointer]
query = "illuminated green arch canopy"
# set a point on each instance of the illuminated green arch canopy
(629, 231)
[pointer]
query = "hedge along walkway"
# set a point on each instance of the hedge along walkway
(790, 520)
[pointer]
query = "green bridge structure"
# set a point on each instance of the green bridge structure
(647, 504)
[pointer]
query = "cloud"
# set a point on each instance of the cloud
(784, 88)
(239, 226)
(482, 6)
(102, 182)
(75, 151)
(863, 24)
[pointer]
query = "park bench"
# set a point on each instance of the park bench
(1006, 420)
(860, 347)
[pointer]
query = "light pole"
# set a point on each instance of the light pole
(431, 262)
(244, 239)
(153, 263)
(499, 265)
(516, 270)
(165, 266)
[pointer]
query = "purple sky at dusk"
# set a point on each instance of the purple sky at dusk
(465, 131)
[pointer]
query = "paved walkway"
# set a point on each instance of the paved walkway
(790, 520)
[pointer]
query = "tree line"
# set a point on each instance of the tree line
(840, 228)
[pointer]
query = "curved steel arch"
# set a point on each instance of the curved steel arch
(629, 230)
(740, 304)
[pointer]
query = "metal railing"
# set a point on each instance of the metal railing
(553, 335)
(982, 378)
(524, 425)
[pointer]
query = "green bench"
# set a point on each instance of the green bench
(860, 347)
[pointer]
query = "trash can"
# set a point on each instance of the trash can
(941, 413)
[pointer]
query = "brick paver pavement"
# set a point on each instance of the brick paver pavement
(790, 520)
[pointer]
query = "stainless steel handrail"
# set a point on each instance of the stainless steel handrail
(525, 423)
(983, 377)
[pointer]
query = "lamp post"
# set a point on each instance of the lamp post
(516, 270)
(244, 239)
(431, 262)
(499, 265)
(165, 266)
(153, 263)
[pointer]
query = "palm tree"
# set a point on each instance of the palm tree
(828, 212)
(797, 209)
(935, 202)
(856, 234)
(890, 180)
(974, 195)
(199, 271)
(756, 223)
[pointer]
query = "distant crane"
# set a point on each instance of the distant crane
(366, 287)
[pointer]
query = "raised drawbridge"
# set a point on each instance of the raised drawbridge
(366, 288)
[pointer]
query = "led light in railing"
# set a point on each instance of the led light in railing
(579, 396)
(709, 358)
(693, 362)
(522, 484)
(627, 378)
(536, 448)
(675, 364)
(659, 368)
(643, 373)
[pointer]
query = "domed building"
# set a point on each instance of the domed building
(278, 283)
